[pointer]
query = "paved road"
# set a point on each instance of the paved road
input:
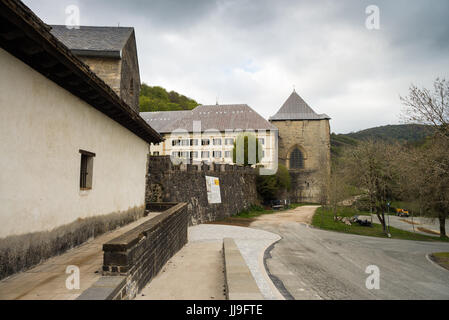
(412, 224)
(308, 263)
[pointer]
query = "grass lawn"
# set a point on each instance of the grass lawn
(324, 219)
(442, 258)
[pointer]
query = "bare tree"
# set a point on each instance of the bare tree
(369, 167)
(425, 179)
(429, 166)
(429, 107)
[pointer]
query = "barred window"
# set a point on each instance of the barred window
(296, 159)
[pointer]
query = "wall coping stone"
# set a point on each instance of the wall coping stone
(240, 284)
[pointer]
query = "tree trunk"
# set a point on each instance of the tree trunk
(442, 220)
(382, 221)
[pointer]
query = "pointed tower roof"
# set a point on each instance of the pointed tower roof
(295, 108)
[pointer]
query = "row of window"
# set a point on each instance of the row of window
(206, 142)
(204, 154)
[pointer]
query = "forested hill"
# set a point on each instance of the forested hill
(407, 133)
(158, 99)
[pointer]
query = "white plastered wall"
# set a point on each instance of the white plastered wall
(42, 129)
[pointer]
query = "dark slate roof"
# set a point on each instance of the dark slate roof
(93, 41)
(29, 39)
(212, 117)
(295, 108)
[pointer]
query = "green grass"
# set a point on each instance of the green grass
(442, 258)
(324, 219)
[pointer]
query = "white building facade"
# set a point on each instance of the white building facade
(207, 134)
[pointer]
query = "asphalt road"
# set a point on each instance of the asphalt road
(308, 263)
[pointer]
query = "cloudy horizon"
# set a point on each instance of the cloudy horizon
(256, 52)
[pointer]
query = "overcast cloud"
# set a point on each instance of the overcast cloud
(254, 52)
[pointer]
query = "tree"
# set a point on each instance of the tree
(368, 166)
(425, 179)
(429, 107)
(271, 187)
(247, 150)
(429, 166)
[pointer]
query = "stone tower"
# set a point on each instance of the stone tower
(304, 148)
(110, 52)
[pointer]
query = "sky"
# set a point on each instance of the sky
(257, 51)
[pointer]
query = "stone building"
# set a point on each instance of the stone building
(73, 151)
(110, 52)
(304, 147)
(207, 133)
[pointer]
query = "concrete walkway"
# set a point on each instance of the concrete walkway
(196, 271)
(47, 281)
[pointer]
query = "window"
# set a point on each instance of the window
(185, 142)
(296, 159)
(229, 141)
(176, 142)
(86, 170)
(228, 154)
(216, 154)
(261, 141)
(217, 142)
(205, 154)
(205, 142)
(155, 153)
(193, 142)
(193, 154)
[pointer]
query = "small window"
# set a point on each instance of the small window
(193, 142)
(204, 154)
(216, 154)
(229, 141)
(228, 154)
(261, 141)
(217, 142)
(193, 154)
(86, 170)
(205, 142)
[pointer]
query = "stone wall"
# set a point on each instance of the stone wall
(312, 137)
(140, 253)
(130, 74)
(187, 183)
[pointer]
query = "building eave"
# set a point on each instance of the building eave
(27, 38)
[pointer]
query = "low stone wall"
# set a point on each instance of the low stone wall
(187, 183)
(140, 253)
(240, 284)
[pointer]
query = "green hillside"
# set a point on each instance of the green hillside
(412, 134)
(158, 99)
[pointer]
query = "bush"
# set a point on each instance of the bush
(271, 187)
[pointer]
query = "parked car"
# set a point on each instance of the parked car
(402, 213)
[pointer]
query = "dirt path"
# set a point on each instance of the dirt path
(302, 214)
